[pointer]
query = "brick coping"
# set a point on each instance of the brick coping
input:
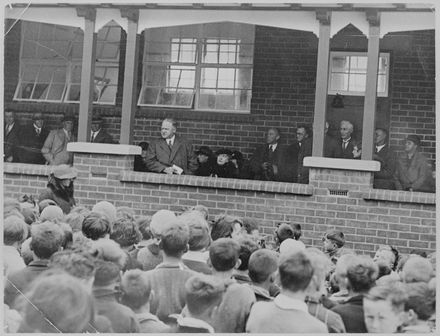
(342, 164)
(219, 183)
(26, 169)
(399, 196)
(100, 148)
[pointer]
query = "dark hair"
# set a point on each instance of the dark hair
(223, 226)
(250, 224)
(174, 241)
(107, 273)
(247, 247)
(125, 232)
(135, 288)
(262, 263)
(362, 273)
(171, 120)
(96, 225)
(295, 271)
(202, 293)
(47, 238)
(392, 291)
(143, 223)
(68, 235)
(382, 129)
(224, 253)
(297, 233)
(383, 269)
(78, 264)
(144, 145)
(421, 299)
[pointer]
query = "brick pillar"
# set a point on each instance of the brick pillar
(341, 174)
(99, 171)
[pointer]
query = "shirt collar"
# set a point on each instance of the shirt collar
(172, 139)
(285, 302)
(346, 140)
(378, 148)
(274, 146)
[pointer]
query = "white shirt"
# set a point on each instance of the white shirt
(170, 141)
(285, 302)
(273, 147)
(94, 134)
(10, 127)
(37, 129)
(12, 259)
(379, 148)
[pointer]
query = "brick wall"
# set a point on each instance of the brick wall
(283, 92)
(368, 217)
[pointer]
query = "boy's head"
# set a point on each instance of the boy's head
(203, 294)
(247, 247)
(109, 250)
(321, 268)
(96, 225)
(224, 254)
(199, 238)
(161, 221)
(384, 307)
(174, 241)
(388, 255)
(263, 263)
(361, 274)
(107, 209)
(333, 240)
(421, 302)
(47, 238)
(295, 271)
(15, 230)
(143, 223)
(417, 269)
(125, 232)
(107, 274)
(225, 226)
(135, 288)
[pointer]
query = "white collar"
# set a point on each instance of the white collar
(346, 140)
(36, 127)
(285, 302)
(194, 323)
(379, 148)
(274, 146)
(172, 139)
(95, 133)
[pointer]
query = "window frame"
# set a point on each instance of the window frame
(201, 40)
(386, 55)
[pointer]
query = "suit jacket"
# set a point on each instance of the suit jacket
(103, 137)
(11, 142)
(415, 173)
(31, 144)
(331, 149)
(285, 158)
(160, 156)
(352, 314)
(384, 179)
(55, 147)
(346, 153)
(304, 150)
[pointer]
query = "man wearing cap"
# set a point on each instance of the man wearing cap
(55, 147)
(60, 187)
(334, 242)
(273, 161)
(413, 172)
(171, 154)
(32, 140)
(97, 133)
(11, 138)
(383, 179)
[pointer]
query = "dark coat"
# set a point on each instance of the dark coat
(304, 150)
(331, 149)
(160, 156)
(61, 198)
(227, 170)
(285, 158)
(12, 143)
(415, 173)
(22, 279)
(103, 137)
(352, 314)
(346, 153)
(31, 144)
(384, 178)
(205, 168)
(139, 164)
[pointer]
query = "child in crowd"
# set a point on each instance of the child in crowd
(136, 294)
(96, 225)
(333, 242)
(15, 231)
(247, 247)
(226, 226)
(263, 266)
(417, 269)
(126, 233)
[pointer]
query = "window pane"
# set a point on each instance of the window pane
(381, 83)
(175, 98)
(29, 49)
(211, 53)
(74, 93)
(29, 72)
(244, 78)
(181, 77)
(59, 75)
(55, 92)
(76, 75)
(160, 52)
(25, 91)
(246, 54)
(45, 74)
(107, 95)
(209, 78)
(149, 95)
(224, 99)
(226, 78)
(357, 83)
(40, 91)
(340, 64)
(155, 75)
(339, 82)
(107, 51)
(77, 50)
(358, 64)
(383, 65)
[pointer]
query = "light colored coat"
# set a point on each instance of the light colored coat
(55, 148)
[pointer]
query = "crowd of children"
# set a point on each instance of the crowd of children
(106, 269)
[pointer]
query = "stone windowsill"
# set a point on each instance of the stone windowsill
(399, 196)
(100, 148)
(342, 164)
(219, 183)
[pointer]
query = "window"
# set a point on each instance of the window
(348, 73)
(202, 67)
(50, 63)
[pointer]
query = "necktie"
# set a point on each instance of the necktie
(271, 148)
(93, 137)
(344, 144)
(38, 131)
(170, 144)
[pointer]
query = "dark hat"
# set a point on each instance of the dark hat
(224, 151)
(204, 150)
(96, 119)
(336, 236)
(68, 117)
(64, 171)
(284, 231)
(237, 155)
(414, 138)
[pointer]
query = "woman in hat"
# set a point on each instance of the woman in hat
(206, 160)
(224, 167)
(413, 172)
(60, 187)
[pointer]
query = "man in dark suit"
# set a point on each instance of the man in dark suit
(274, 162)
(11, 138)
(383, 179)
(32, 140)
(98, 134)
(331, 147)
(346, 144)
(171, 154)
(304, 149)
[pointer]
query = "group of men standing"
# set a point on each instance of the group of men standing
(35, 143)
